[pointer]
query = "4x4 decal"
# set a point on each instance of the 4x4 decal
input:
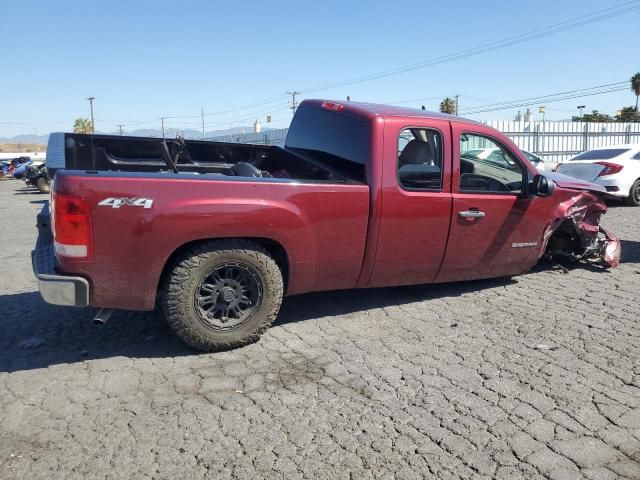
(115, 202)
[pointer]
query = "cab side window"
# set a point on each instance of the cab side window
(420, 159)
(486, 166)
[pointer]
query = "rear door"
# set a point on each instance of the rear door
(495, 229)
(416, 202)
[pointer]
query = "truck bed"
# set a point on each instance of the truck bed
(73, 151)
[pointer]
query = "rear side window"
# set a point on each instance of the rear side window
(420, 159)
(604, 154)
(333, 138)
(636, 156)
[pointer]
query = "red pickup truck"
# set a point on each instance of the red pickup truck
(361, 195)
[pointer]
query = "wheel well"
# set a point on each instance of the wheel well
(275, 249)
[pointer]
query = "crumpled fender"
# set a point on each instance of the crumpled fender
(584, 210)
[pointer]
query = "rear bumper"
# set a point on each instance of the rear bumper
(55, 288)
(616, 187)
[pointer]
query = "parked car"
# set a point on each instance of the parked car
(536, 160)
(14, 167)
(361, 195)
(496, 156)
(616, 168)
(20, 167)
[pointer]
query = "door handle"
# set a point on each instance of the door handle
(471, 214)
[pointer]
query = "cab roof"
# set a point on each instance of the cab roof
(370, 110)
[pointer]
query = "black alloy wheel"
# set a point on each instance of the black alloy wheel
(228, 296)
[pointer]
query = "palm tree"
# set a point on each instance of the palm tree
(448, 105)
(635, 86)
(82, 125)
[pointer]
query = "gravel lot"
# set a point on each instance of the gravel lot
(532, 377)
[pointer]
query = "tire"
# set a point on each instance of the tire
(634, 195)
(43, 185)
(196, 294)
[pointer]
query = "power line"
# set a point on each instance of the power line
(565, 95)
(544, 97)
(413, 100)
(493, 103)
(279, 98)
(535, 102)
(552, 96)
(201, 115)
(506, 42)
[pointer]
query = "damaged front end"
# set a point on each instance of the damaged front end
(576, 232)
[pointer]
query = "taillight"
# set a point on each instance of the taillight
(336, 107)
(609, 168)
(72, 232)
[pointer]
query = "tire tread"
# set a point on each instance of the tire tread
(175, 300)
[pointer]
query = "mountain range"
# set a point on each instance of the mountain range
(148, 132)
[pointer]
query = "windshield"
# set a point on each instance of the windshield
(604, 154)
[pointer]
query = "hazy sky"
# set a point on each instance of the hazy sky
(147, 59)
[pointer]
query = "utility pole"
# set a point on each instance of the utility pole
(457, 97)
(93, 125)
(581, 108)
(120, 128)
(202, 111)
(162, 121)
(294, 104)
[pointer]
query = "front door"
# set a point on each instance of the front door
(495, 229)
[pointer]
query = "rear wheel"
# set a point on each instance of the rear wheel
(634, 194)
(43, 185)
(222, 294)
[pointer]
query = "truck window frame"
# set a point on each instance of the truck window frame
(501, 145)
(442, 159)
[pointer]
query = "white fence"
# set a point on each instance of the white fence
(559, 141)
(554, 141)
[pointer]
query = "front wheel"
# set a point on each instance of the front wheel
(634, 194)
(43, 185)
(222, 294)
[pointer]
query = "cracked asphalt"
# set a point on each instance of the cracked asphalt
(537, 376)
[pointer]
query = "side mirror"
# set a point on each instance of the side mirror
(542, 186)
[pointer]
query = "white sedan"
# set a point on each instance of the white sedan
(617, 168)
(496, 156)
(535, 160)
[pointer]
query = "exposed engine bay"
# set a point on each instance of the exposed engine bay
(576, 232)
